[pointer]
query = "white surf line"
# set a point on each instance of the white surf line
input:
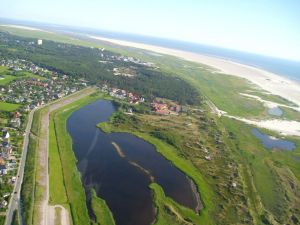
(24, 27)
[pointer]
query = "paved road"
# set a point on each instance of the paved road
(14, 202)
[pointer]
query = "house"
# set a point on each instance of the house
(160, 108)
(5, 135)
(15, 122)
(17, 114)
(3, 170)
(5, 195)
(6, 150)
(3, 204)
(2, 161)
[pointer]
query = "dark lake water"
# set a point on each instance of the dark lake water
(271, 142)
(122, 179)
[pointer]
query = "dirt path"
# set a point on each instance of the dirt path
(58, 219)
(47, 212)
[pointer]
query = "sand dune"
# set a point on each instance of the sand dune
(270, 82)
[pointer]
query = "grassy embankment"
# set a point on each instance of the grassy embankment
(100, 209)
(65, 182)
(32, 191)
(28, 186)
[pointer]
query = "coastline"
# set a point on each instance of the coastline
(273, 83)
(23, 27)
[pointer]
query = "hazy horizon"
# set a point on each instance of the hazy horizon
(262, 27)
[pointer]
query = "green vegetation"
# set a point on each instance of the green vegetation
(9, 107)
(267, 190)
(6, 79)
(65, 181)
(7, 76)
(272, 174)
(15, 219)
(56, 189)
(2, 219)
(170, 212)
(47, 36)
(100, 209)
(290, 114)
(27, 191)
(83, 62)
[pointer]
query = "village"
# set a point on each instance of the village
(30, 87)
(157, 105)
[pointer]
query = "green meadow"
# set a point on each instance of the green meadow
(9, 107)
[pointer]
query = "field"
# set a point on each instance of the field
(9, 107)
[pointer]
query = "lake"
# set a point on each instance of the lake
(276, 111)
(120, 167)
(271, 142)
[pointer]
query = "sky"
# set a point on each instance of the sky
(268, 27)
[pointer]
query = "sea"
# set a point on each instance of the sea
(283, 67)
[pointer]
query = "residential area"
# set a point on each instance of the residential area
(157, 105)
(23, 86)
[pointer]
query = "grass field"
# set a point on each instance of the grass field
(6, 76)
(6, 79)
(9, 107)
(28, 185)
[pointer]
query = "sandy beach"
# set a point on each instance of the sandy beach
(23, 27)
(270, 82)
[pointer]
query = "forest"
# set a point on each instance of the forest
(86, 63)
